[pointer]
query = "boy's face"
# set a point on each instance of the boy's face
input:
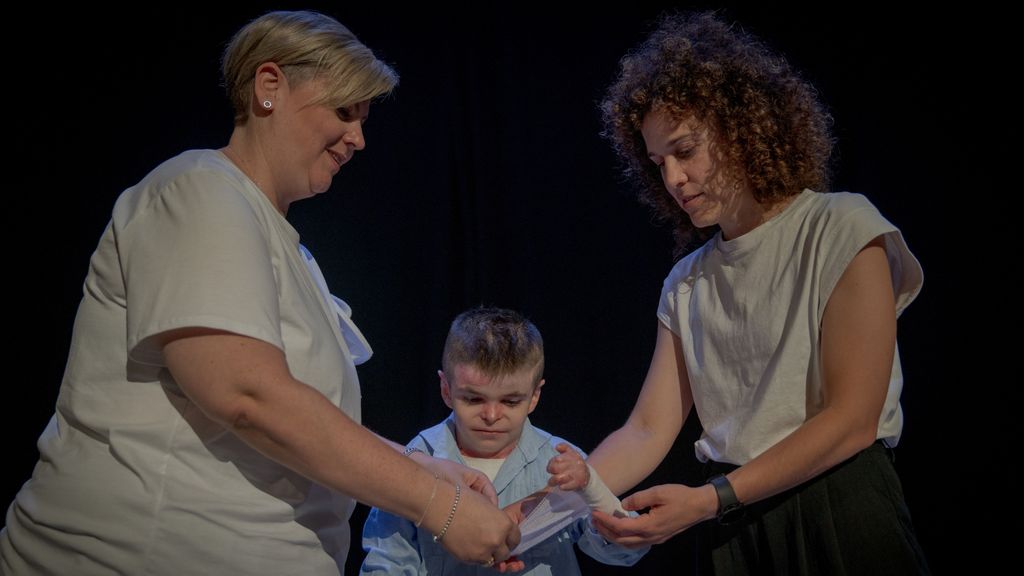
(489, 412)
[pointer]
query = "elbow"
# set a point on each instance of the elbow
(235, 412)
(864, 436)
(239, 414)
(860, 434)
(659, 434)
(849, 433)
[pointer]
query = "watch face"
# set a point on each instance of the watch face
(731, 513)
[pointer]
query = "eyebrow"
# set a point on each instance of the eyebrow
(351, 110)
(475, 392)
(692, 135)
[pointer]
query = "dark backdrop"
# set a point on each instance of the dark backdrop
(484, 181)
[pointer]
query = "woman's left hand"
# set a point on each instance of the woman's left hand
(673, 508)
(457, 473)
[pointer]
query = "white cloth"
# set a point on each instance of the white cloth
(748, 312)
(358, 347)
(133, 478)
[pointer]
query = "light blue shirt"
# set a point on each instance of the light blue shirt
(395, 545)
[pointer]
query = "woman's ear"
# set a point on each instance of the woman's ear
(267, 85)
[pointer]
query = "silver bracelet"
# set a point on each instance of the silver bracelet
(451, 515)
(410, 450)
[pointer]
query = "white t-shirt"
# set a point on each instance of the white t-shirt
(132, 477)
(748, 312)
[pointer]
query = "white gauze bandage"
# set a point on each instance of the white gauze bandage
(599, 497)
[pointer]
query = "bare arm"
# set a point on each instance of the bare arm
(244, 384)
(858, 343)
(632, 452)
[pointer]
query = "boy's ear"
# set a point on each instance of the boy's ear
(446, 391)
(536, 396)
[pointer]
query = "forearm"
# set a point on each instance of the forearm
(632, 452)
(629, 455)
(418, 456)
(245, 385)
(821, 443)
(327, 446)
(390, 443)
(858, 342)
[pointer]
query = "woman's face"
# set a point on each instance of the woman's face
(311, 142)
(693, 170)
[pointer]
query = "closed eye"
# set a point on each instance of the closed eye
(684, 153)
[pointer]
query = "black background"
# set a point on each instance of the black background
(485, 181)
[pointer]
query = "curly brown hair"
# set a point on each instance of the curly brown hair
(769, 122)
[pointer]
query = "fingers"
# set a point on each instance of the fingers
(628, 532)
(512, 540)
(640, 500)
(479, 483)
(512, 564)
(568, 470)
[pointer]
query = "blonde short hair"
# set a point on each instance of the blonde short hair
(306, 45)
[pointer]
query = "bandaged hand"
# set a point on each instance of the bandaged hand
(568, 470)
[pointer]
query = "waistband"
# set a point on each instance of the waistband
(711, 468)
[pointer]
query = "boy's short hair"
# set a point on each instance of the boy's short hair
(497, 341)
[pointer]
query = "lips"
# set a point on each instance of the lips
(686, 200)
(338, 158)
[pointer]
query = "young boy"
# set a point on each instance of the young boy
(491, 377)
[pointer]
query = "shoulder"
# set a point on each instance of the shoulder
(836, 208)
(194, 181)
(549, 441)
(685, 267)
(432, 440)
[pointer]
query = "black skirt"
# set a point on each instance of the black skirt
(851, 520)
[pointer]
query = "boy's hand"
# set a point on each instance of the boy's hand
(568, 470)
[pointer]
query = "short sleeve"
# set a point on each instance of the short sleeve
(194, 254)
(678, 283)
(856, 223)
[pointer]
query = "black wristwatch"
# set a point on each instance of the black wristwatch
(730, 509)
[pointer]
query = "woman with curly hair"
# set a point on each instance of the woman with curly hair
(779, 325)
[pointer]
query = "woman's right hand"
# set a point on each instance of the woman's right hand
(672, 508)
(479, 532)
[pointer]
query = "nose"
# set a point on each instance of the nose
(673, 174)
(491, 412)
(354, 136)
